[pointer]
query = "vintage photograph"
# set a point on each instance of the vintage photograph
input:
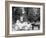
(25, 18)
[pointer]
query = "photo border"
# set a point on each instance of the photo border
(7, 4)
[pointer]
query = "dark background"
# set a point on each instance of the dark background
(30, 14)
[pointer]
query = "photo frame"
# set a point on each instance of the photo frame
(24, 19)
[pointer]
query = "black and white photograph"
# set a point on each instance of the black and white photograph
(25, 18)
